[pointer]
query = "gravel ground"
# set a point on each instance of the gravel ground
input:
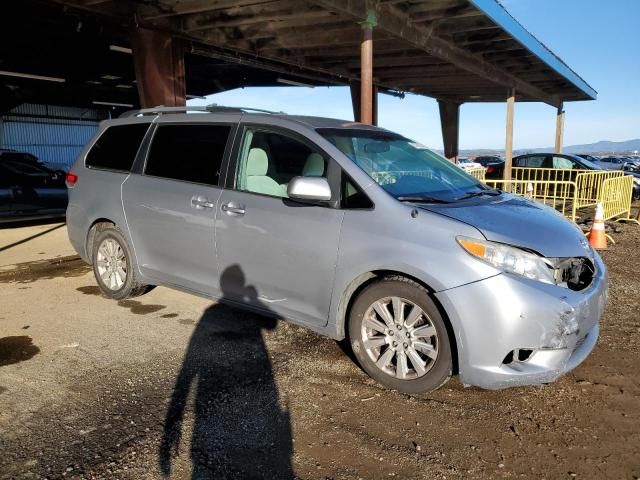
(170, 384)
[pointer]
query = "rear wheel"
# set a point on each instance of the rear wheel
(113, 265)
(399, 337)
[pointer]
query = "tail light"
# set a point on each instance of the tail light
(490, 169)
(71, 179)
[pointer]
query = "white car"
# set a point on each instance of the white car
(466, 163)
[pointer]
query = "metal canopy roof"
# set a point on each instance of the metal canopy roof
(459, 50)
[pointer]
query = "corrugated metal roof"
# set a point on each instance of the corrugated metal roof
(496, 12)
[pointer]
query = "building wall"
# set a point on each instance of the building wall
(54, 134)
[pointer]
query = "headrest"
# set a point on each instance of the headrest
(314, 166)
(257, 163)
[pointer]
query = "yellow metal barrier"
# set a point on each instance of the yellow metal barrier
(616, 198)
(546, 174)
(589, 185)
(560, 195)
(477, 172)
(588, 182)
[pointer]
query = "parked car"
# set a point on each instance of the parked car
(350, 230)
(494, 165)
(568, 161)
(28, 189)
(554, 160)
(465, 163)
(617, 163)
(564, 160)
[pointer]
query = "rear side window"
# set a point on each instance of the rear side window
(531, 162)
(192, 153)
(117, 147)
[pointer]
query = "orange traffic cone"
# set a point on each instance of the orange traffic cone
(597, 235)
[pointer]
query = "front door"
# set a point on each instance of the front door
(273, 253)
(171, 207)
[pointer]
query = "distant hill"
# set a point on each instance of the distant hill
(603, 146)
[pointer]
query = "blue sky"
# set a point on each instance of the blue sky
(599, 40)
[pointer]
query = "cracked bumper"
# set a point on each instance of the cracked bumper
(492, 317)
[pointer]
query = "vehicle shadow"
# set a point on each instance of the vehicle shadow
(31, 237)
(239, 429)
(7, 224)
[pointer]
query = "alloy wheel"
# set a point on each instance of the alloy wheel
(399, 338)
(111, 263)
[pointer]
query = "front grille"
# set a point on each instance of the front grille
(574, 273)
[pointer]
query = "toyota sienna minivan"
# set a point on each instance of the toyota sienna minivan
(347, 229)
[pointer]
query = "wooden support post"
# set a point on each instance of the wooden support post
(508, 147)
(158, 59)
(450, 125)
(366, 69)
(354, 87)
(559, 127)
(366, 75)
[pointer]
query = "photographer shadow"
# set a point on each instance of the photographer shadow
(239, 430)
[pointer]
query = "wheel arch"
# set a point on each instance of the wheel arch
(94, 228)
(365, 279)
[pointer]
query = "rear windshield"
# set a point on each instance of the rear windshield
(402, 167)
(590, 165)
(25, 167)
(117, 147)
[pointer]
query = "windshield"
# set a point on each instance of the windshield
(590, 165)
(405, 169)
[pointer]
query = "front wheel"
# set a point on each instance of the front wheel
(399, 337)
(113, 266)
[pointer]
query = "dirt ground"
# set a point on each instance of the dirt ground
(170, 384)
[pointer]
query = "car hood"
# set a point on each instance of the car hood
(517, 221)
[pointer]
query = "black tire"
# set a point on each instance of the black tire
(440, 369)
(131, 286)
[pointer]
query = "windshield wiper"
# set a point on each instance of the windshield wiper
(492, 192)
(421, 198)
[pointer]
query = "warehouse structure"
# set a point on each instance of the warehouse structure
(120, 55)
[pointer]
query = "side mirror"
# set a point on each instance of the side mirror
(309, 189)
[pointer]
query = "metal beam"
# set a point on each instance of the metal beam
(559, 128)
(354, 88)
(398, 24)
(450, 123)
(158, 59)
(152, 12)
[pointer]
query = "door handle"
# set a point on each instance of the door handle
(233, 209)
(200, 202)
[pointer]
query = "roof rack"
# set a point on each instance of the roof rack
(211, 108)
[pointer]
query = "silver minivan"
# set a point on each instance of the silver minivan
(347, 229)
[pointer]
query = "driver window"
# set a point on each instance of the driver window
(269, 161)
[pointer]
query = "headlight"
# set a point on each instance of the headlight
(510, 259)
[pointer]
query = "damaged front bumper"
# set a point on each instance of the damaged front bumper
(512, 331)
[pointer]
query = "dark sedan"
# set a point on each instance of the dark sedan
(567, 161)
(30, 190)
(494, 165)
